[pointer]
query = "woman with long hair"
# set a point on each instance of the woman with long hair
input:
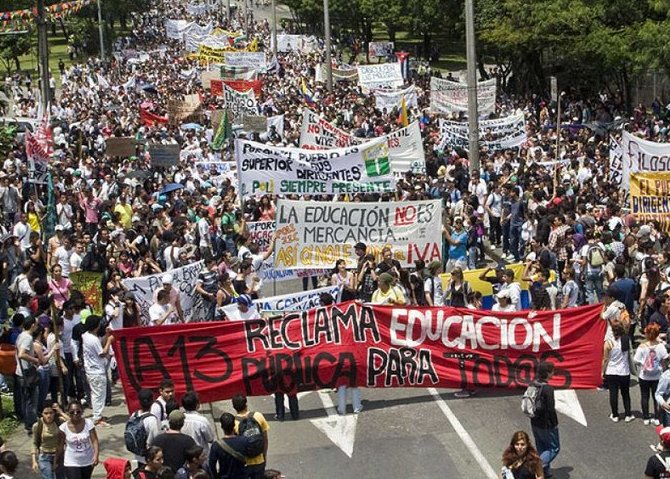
(59, 286)
(345, 279)
(80, 442)
(45, 442)
(153, 465)
(616, 370)
(457, 290)
(520, 459)
(649, 356)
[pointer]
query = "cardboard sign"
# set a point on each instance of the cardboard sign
(650, 198)
(254, 123)
(164, 155)
(181, 110)
(120, 146)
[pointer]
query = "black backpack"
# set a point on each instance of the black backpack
(135, 434)
(250, 429)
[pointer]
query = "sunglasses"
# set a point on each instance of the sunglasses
(75, 411)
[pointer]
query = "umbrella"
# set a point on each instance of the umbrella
(140, 174)
(170, 187)
(150, 89)
(192, 126)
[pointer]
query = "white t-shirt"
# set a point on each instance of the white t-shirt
(434, 287)
(63, 256)
(115, 320)
(507, 309)
(66, 333)
(78, 446)
(75, 262)
(22, 231)
(649, 358)
(514, 290)
(156, 312)
(92, 348)
(169, 253)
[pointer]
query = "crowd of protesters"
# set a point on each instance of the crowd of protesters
(561, 215)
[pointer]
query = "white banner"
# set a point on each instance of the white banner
(302, 301)
(317, 234)
(174, 29)
(269, 273)
(299, 43)
(264, 169)
(240, 103)
(193, 40)
(391, 99)
(448, 96)
(380, 49)
(383, 75)
(255, 60)
(278, 122)
(642, 155)
(494, 135)
(183, 280)
(320, 74)
(405, 145)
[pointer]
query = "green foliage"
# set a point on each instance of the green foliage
(7, 135)
(11, 48)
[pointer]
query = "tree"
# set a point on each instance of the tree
(11, 48)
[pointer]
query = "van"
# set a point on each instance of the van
(22, 125)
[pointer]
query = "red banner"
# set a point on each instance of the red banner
(364, 345)
(216, 86)
(149, 118)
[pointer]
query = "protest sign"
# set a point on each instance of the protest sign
(90, 285)
(271, 274)
(494, 135)
(244, 85)
(642, 155)
(265, 169)
(300, 43)
(448, 96)
(255, 60)
(317, 234)
(302, 301)
(216, 166)
(151, 119)
(120, 146)
(237, 73)
(405, 145)
(616, 163)
(260, 232)
(240, 103)
(254, 123)
(364, 345)
(183, 280)
(380, 49)
(164, 155)
(206, 77)
(390, 99)
(38, 159)
(278, 122)
(180, 110)
(650, 198)
(382, 75)
(339, 74)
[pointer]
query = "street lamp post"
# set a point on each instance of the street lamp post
(471, 57)
(326, 34)
(100, 27)
(43, 54)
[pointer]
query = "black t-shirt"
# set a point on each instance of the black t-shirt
(523, 472)
(224, 466)
(174, 448)
(655, 468)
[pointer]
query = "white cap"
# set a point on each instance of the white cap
(167, 279)
(59, 228)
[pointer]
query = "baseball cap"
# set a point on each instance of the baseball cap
(664, 434)
(59, 228)
(167, 279)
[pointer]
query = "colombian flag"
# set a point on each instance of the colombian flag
(307, 94)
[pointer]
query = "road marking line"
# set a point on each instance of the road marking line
(464, 435)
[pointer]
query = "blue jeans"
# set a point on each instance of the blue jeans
(342, 399)
(473, 255)
(594, 287)
(548, 445)
(47, 469)
(514, 239)
(29, 396)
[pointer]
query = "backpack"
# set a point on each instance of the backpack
(250, 429)
(135, 434)
(531, 402)
(595, 256)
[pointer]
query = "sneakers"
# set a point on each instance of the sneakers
(646, 422)
(629, 418)
(614, 418)
(655, 422)
(358, 410)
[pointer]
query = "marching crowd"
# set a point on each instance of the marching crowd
(562, 216)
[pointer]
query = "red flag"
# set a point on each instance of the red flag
(149, 118)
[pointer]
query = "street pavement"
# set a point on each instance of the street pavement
(417, 433)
